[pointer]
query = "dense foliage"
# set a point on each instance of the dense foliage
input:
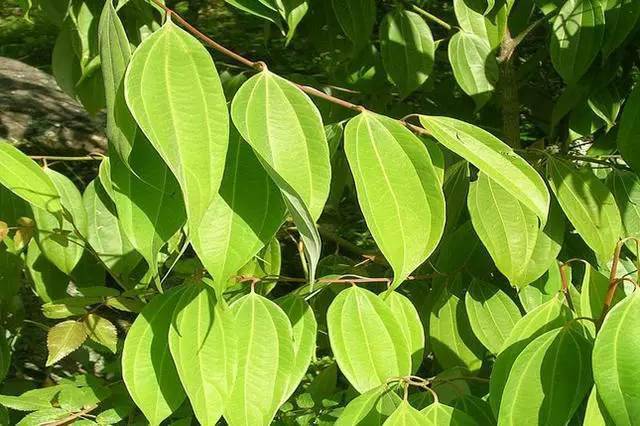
(412, 212)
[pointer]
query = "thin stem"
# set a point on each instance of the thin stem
(97, 157)
(70, 418)
(431, 17)
(613, 284)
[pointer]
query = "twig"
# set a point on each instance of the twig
(96, 157)
(613, 284)
(70, 418)
(431, 17)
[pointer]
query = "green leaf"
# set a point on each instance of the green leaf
(507, 228)
(473, 19)
(305, 328)
(455, 187)
(63, 246)
(558, 363)
(595, 413)
(576, 37)
(625, 187)
(115, 53)
(356, 18)
(494, 158)
(27, 180)
(367, 339)
(406, 313)
(474, 66)
(615, 366)
(64, 338)
(405, 415)
(392, 168)
(147, 368)
(438, 414)
(492, 314)
(102, 331)
(149, 206)
(407, 49)
(295, 155)
(588, 204)
(44, 416)
(627, 140)
(593, 292)
(542, 290)
(293, 12)
(264, 363)
(621, 18)
(10, 274)
(104, 232)
(257, 8)
(242, 219)
(371, 408)
(202, 342)
(606, 103)
(186, 120)
(450, 335)
(551, 315)
(476, 408)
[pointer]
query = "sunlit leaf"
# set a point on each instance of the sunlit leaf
(102, 331)
(371, 408)
(406, 313)
(64, 338)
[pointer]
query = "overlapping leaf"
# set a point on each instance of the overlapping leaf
(392, 170)
(629, 128)
(371, 408)
(409, 319)
(356, 18)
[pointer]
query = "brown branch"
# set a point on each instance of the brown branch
(613, 284)
(261, 66)
(72, 417)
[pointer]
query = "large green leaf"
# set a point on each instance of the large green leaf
(242, 219)
(367, 339)
(27, 180)
(406, 313)
(472, 18)
(202, 343)
(494, 158)
(621, 17)
(625, 187)
(551, 315)
(407, 49)
(115, 53)
(450, 335)
(615, 361)
(507, 228)
(438, 414)
(356, 18)
(392, 169)
(371, 408)
(285, 130)
(548, 380)
(474, 66)
(147, 368)
(588, 204)
(577, 35)
(104, 233)
(305, 328)
(492, 314)
(149, 203)
(264, 362)
(405, 415)
(49, 282)
(63, 246)
(186, 119)
(627, 140)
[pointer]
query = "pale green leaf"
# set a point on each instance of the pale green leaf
(588, 204)
(285, 130)
(615, 361)
(407, 49)
(492, 314)
(494, 158)
(371, 408)
(405, 415)
(367, 339)
(392, 169)
(293, 12)
(27, 180)
(104, 232)
(305, 328)
(576, 37)
(450, 335)
(63, 246)
(202, 342)
(102, 331)
(474, 66)
(548, 380)
(186, 119)
(242, 219)
(629, 129)
(64, 338)
(438, 414)
(356, 18)
(595, 413)
(264, 362)
(147, 368)
(541, 290)
(593, 292)
(405, 311)
(472, 18)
